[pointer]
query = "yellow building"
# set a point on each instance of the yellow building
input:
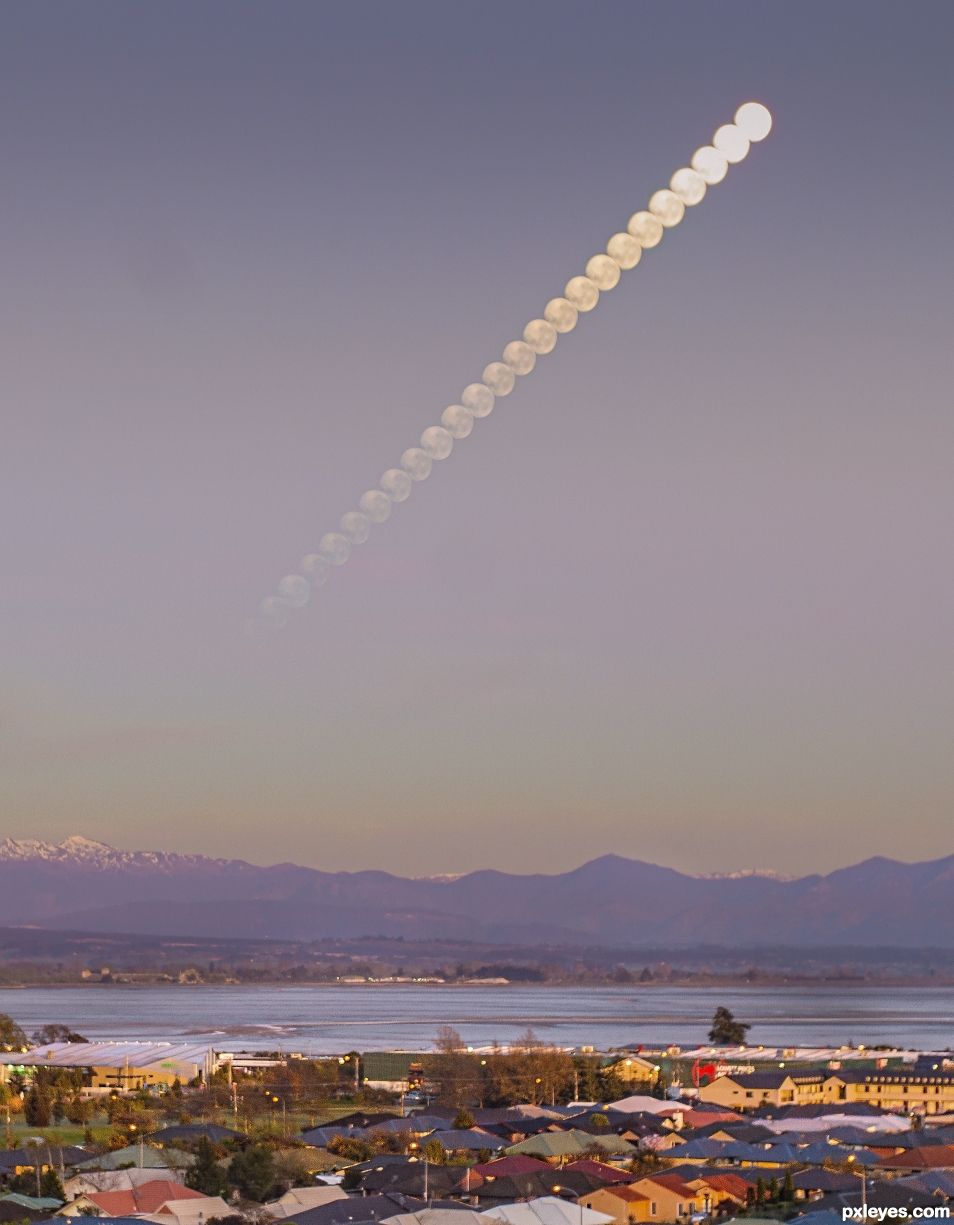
(671, 1198)
(895, 1092)
(634, 1070)
(624, 1204)
(749, 1090)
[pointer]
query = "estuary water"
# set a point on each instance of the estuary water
(329, 1019)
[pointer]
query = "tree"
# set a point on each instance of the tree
(435, 1153)
(296, 1166)
(205, 1173)
(352, 1148)
(51, 1187)
(463, 1120)
(46, 1184)
(38, 1107)
(456, 1070)
(56, 1033)
(351, 1178)
(253, 1172)
(726, 1030)
(12, 1037)
(78, 1110)
(788, 1187)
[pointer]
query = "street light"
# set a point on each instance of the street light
(563, 1192)
(863, 1175)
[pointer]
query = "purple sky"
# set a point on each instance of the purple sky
(686, 595)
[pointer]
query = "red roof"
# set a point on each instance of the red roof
(627, 1194)
(673, 1183)
(147, 1197)
(930, 1157)
(518, 1163)
(600, 1170)
(726, 1184)
(702, 1118)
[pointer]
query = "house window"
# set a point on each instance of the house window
(652, 1208)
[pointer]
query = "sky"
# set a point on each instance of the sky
(686, 595)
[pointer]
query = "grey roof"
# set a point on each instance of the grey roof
(772, 1080)
(114, 1055)
(420, 1124)
(821, 1179)
(934, 1182)
(321, 1137)
(148, 1157)
(194, 1131)
(61, 1155)
(357, 1209)
(471, 1138)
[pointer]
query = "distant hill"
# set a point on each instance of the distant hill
(84, 885)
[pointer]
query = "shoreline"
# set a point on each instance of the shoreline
(710, 983)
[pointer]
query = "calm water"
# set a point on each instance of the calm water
(322, 1020)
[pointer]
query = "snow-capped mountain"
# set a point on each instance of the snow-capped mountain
(83, 885)
(88, 853)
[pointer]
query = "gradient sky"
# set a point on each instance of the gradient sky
(687, 595)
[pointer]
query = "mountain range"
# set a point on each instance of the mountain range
(83, 885)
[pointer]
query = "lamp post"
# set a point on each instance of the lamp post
(861, 1173)
(564, 1193)
(133, 1129)
(423, 1157)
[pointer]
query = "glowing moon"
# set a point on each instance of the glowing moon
(603, 271)
(457, 420)
(667, 206)
(646, 229)
(540, 335)
(499, 378)
(334, 548)
(688, 185)
(754, 120)
(416, 463)
(376, 505)
(625, 249)
(711, 164)
(356, 526)
(519, 357)
(582, 293)
(478, 398)
(731, 142)
(437, 442)
(396, 484)
(561, 314)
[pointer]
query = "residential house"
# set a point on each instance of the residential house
(670, 1197)
(623, 1203)
(749, 1090)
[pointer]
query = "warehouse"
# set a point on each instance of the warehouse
(122, 1067)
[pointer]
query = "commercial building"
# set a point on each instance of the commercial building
(115, 1066)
